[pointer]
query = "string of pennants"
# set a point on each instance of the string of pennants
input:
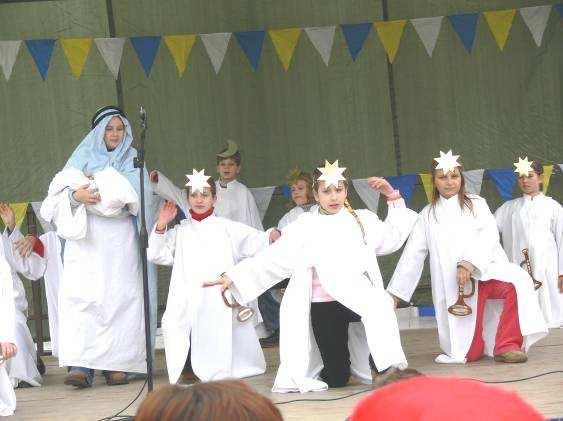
(284, 41)
(503, 178)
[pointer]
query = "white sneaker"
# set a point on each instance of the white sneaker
(446, 359)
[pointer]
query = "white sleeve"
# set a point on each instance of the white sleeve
(32, 267)
(500, 217)
(557, 230)
(7, 304)
(246, 241)
(162, 247)
(388, 236)
(167, 190)
(253, 215)
(409, 269)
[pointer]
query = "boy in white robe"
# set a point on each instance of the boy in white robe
(335, 311)
(25, 255)
(200, 332)
(535, 222)
(8, 348)
(459, 232)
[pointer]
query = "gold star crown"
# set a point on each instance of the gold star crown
(293, 176)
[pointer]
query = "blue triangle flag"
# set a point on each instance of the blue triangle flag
(286, 190)
(251, 43)
(405, 184)
(146, 49)
(559, 8)
(505, 180)
(356, 35)
(41, 51)
(465, 26)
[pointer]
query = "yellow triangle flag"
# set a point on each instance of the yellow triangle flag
(76, 51)
(390, 34)
(180, 47)
(427, 184)
(20, 210)
(285, 41)
(547, 171)
(500, 22)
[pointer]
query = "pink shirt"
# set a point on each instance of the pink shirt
(318, 293)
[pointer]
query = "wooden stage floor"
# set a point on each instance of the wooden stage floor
(55, 401)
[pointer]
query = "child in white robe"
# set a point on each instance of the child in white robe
(459, 232)
(25, 255)
(535, 222)
(335, 282)
(8, 348)
(200, 332)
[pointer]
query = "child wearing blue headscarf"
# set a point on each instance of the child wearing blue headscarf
(101, 296)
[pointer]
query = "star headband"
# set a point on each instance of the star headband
(447, 162)
(197, 180)
(523, 167)
(331, 173)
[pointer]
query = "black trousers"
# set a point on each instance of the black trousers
(330, 322)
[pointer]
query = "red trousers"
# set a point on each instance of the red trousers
(509, 336)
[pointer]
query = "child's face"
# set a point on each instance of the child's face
(201, 202)
(331, 198)
(449, 184)
(299, 192)
(113, 135)
(228, 169)
(530, 184)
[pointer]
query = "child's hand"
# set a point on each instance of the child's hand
(381, 185)
(87, 195)
(154, 176)
(166, 215)
(25, 245)
(463, 276)
(8, 350)
(222, 280)
(7, 215)
(561, 284)
(274, 235)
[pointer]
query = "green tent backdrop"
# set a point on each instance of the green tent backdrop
(489, 106)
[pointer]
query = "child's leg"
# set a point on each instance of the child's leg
(478, 345)
(330, 327)
(509, 336)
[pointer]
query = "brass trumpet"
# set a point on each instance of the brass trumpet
(526, 261)
(244, 313)
(461, 308)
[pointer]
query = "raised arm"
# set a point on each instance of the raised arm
(162, 242)
(166, 189)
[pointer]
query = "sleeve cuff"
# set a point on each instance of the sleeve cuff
(397, 203)
(39, 247)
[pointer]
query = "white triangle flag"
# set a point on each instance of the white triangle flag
(111, 50)
(473, 181)
(262, 196)
(8, 53)
(322, 39)
(36, 206)
(428, 30)
(536, 18)
(367, 194)
(216, 46)
(560, 167)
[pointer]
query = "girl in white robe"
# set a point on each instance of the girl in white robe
(302, 198)
(535, 222)
(459, 232)
(101, 322)
(200, 332)
(24, 256)
(330, 257)
(7, 336)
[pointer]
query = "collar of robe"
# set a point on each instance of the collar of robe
(323, 211)
(201, 216)
(224, 185)
(530, 197)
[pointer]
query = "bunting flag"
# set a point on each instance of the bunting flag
(216, 46)
(322, 39)
(473, 181)
(180, 47)
(8, 53)
(428, 30)
(405, 184)
(500, 22)
(355, 35)
(505, 180)
(76, 51)
(41, 51)
(465, 26)
(426, 179)
(19, 211)
(146, 49)
(390, 34)
(559, 8)
(111, 50)
(262, 197)
(286, 190)
(561, 167)
(285, 41)
(369, 196)
(46, 226)
(536, 18)
(251, 43)
(547, 171)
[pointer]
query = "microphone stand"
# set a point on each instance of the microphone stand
(139, 162)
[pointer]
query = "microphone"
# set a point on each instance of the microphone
(143, 116)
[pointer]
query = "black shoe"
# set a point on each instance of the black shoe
(271, 341)
(41, 366)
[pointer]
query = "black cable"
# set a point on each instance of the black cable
(118, 416)
(519, 380)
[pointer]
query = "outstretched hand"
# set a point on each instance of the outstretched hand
(166, 215)
(7, 215)
(381, 185)
(222, 280)
(8, 350)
